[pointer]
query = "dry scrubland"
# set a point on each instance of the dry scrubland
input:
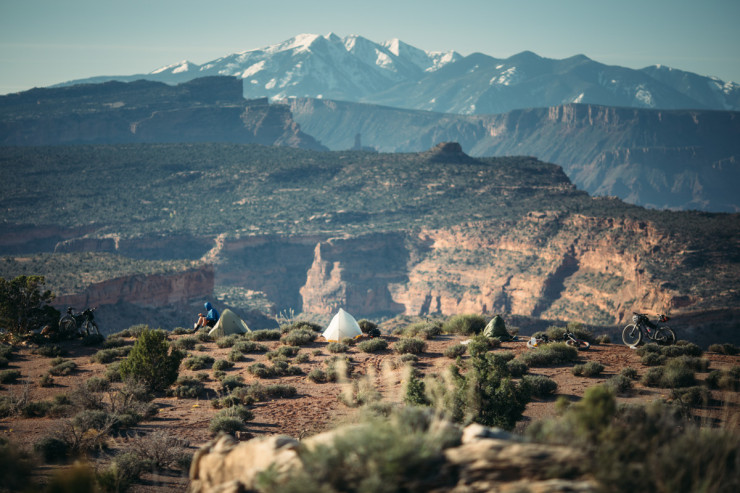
(63, 403)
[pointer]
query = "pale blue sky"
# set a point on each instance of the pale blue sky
(43, 42)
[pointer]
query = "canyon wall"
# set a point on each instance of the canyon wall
(156, 290)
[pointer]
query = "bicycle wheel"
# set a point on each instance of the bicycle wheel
(67, 325)
(579, 344)
(632, 335)
(665, 336)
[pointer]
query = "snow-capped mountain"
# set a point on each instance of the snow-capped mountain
(394, 73)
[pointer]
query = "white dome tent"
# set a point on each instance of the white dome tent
(343, 325)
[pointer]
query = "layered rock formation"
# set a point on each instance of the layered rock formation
(210, 109)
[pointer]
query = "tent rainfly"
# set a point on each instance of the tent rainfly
(228, 324)
(343, 325)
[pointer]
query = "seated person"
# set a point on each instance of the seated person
(209, 319)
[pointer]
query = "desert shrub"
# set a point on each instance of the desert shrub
(590, 369)
(629, 372)
(228, 384)
(185, 343)
(203, 336)
(222, 365)
(415, 389)
(105, 356)
(603, 339)
(302, 358)
(485, 393)
(46, 380)
(726, 348)
(263, 335)
(249, 347)
(51, 449)
(337, 347)
(219, 375)
(9, 376)
(113, 342)
(226, 423)
(669, 376)
(466, 324)
(160, 450)
(199, 362)
(372, 345)
(619, 384)
(125, 469)
(151, 361)
(549, 354)
(227, 341)
(682, 348)
(338, 368)
(36, 409)
(299, 324)
(113, 372)
(517, 368)
(724, 379)
(6, 351)
(283, 352)
(410, 345)
(424, 330)
(456, 350)
(92, 339)
(235, 356)
(480, 344)
(178, 331)
(661, 450)
(539, 386)
(691, 397)
(282, 368)
(261, 370)
(366, 325)
(298, 337)
(317, 375)
(50, 351)
(653, 359)
(408, 358)
(650, 347)
(187, 388)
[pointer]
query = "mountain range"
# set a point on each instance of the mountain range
(397, 74)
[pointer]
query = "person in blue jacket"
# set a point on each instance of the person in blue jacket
(209, 319)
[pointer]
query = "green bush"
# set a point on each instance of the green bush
(366, 326)
(682, 348)
(337, 347)
(227, 341)
(283, 352)
(556, 353)
(726, 348)
(199, 362)
(46, 380)
(51, 449)
(372, 345)
(629, 372)
(317, 375)
(619, 384)
(235, 356)
(105, 356)
(590, 369)
(185, 343)
(724, 379)
(298, 337)
(188, 388)
(653, 359)
(456, 350)
(691, 397)
(517, 368)
(263, 335)
(50, 351)
(226, 424)
(222, 365)
(480, 344)
(151, 361)
(411, 345)
(9, 376)
(249, 347)
(669, 376)
(302, 358)
(485, 393)
(539, 386)
(425, 330)
(228, 384)
(467, 324)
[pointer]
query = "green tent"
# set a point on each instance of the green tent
(497, 328)
(228, 324)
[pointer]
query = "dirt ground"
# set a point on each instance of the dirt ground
(316, 406)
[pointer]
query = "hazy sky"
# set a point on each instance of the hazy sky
(43, 42)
